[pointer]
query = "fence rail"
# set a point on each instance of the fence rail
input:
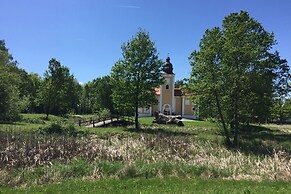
(111, 118)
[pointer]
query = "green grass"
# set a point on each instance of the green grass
(31, 122)
(156, 185)
(19, 127)
(146, 120)
(158, 157)
(188, 123)
(261, 140)
(42, 118)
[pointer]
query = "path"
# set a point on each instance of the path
(101, 123)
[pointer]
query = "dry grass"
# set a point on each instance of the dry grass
(160, 152)
(284, 128)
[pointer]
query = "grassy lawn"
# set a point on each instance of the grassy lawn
(31, 122)
(187, 123)
(156, 185)
(156, 159)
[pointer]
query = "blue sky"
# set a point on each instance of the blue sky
(86, 35)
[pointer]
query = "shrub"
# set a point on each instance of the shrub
(105, 113)
(69, 130)
(77, 168)
(33, 120)
(108, 168)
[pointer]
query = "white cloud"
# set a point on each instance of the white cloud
(130, 6)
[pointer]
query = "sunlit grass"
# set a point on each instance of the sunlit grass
(157, 185)
(187, 123)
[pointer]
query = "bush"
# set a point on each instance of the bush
(69, 130)
(33, 120)
(105, 113)
(77, 168)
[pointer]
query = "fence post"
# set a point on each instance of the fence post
(79, 122)
(93, 123)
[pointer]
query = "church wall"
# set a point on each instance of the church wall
(188, 107)
(178, 105)
(155, 108)
(167, 94)
(167, 91)
(167, 97)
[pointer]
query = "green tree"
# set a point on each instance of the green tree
(281, 110)
(24, 84)
(180, 83)
(9, 95)
(135, 77)
(287, 109)
(235, 74)
(36, 82)
(9, 86)
(6, 58)
(85, 100)
(59, 91)
(99, 94)
(28, 86)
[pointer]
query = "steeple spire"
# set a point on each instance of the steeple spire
(168, 67)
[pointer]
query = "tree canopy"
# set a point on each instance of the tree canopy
(136, 75)
(98, 95)
(9, 86)
(58, 94)
(235, 74)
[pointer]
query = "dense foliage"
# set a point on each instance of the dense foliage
(235, 75)
(97, 96)
(17, 88)
(135, 77)
(59, 92)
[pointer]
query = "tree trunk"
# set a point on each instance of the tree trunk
(47, 114)
(137, 102)
(136, 118)
(236, 123)
(227, 139)
(46, 110)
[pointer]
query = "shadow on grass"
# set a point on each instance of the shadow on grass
(263, 141)
(11, 123)
(160, 131)
(118, 124)
(148, 129)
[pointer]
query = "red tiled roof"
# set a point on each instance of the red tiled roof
(178, 92)
(157, 91)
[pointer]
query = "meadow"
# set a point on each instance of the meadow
(56, 155)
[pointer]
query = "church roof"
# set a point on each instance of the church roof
(177, 92)
(168, 67)
(158, 92)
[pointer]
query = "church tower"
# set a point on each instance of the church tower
(167, 99)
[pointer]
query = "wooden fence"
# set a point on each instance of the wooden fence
(112, 118)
